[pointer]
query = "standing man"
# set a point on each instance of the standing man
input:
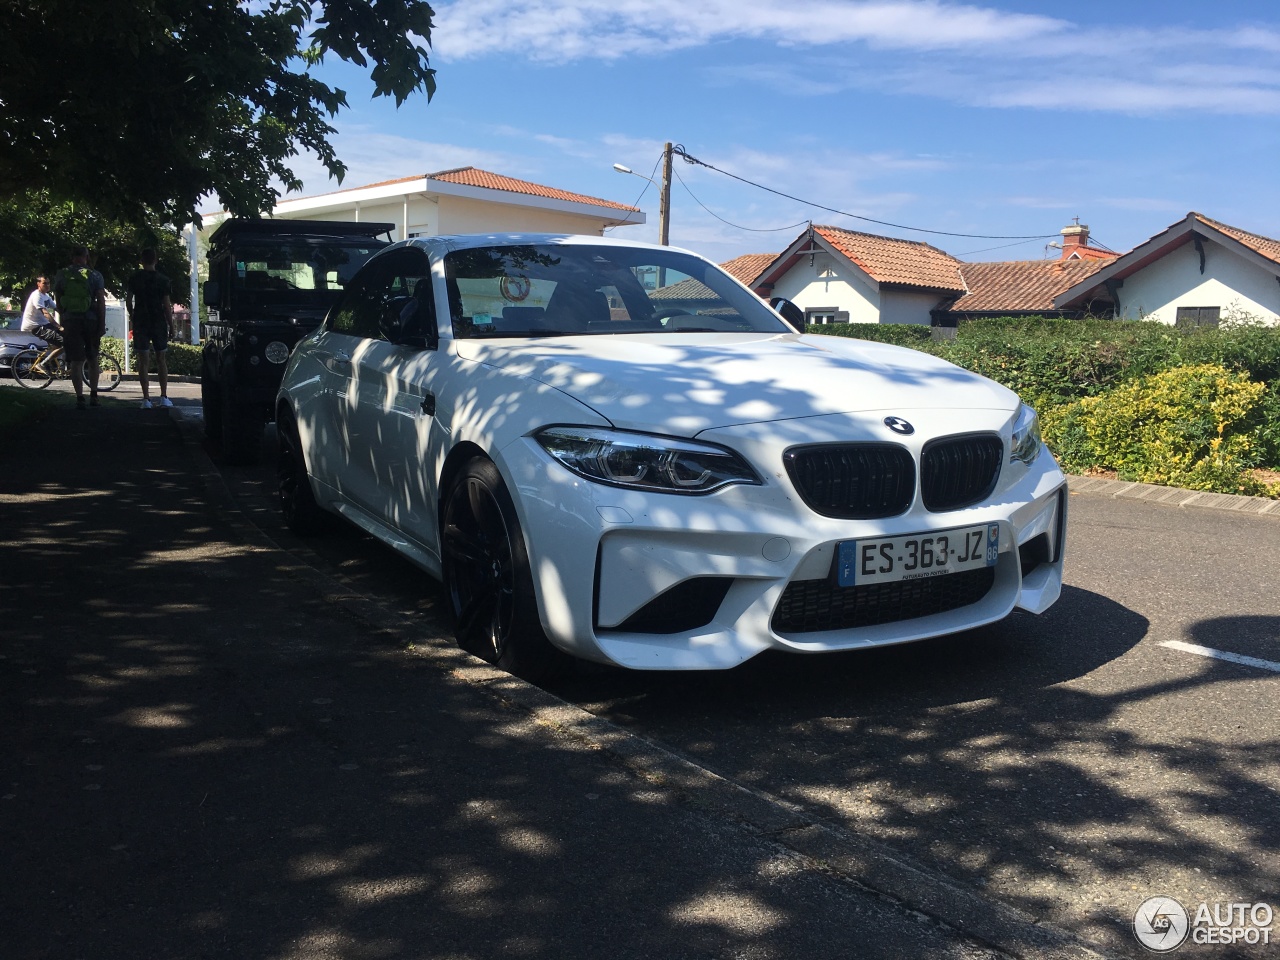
(82, 306)
(38, 319)
(149, 300)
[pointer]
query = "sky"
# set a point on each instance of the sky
(1000, 121)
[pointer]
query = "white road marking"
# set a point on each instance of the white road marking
(1221, 655)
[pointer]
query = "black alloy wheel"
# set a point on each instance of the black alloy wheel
(302, 514)
(487, 578)
(210, 399)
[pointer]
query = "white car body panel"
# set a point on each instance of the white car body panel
(378, 422)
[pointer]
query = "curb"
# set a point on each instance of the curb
(1172, 496)
(835, 851)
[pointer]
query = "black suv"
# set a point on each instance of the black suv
(270, 284)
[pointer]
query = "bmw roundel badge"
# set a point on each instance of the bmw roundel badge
(898, 425)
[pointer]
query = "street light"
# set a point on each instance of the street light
(664, 195)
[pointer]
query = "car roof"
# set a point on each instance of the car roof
(440, 245)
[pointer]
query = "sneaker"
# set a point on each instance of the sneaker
(146, 404)
(166, 402)
(80, 404)
(93, 400)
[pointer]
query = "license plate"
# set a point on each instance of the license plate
(917, 555)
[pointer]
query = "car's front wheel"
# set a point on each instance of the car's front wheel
(298, 504)
(487, 578)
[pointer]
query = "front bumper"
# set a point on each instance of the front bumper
(666, 582)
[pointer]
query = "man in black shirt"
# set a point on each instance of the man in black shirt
(149, 300)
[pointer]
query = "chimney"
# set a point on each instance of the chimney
(1074, 237)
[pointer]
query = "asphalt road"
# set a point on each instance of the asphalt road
(1069, 765)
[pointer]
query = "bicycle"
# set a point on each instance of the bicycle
(25, 372)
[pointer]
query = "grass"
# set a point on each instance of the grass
(19, 406)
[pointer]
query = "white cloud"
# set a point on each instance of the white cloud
(373, 157)
(609, 29)
(962, 52)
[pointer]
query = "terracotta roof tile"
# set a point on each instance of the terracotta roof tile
(1264, 245)
(1020, 285)
(474, 177)
(1093, 253)
(888, 260)
(748, 266)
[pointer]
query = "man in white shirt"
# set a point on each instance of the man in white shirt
(38, 318)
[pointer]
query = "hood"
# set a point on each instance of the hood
(682, 384)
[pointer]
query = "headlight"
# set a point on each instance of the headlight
(276, 352)
(1026, 436)
(641, 461)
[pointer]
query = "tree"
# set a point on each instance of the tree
(38, 235)
(139, 108)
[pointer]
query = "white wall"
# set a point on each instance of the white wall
(907, 306)
(1229, 282)
(446, 214)
(463, 215)
(827, 284)
(836, 283)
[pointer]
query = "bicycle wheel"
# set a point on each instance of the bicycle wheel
(24, 373)
(108, 374)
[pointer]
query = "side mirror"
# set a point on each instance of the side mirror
(401, 322)
(212, 293)
(792, 315)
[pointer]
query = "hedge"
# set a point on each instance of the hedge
(1056, 365)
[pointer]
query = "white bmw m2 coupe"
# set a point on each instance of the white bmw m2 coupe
(618, 452)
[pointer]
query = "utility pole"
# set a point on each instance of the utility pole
(664, 203)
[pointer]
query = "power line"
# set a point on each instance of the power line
(1003, 246)
(736, 226)
(679, 150)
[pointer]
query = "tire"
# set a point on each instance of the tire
(243, 426)
(210, 401)
(302, 514)
(109, 375)
(487, 577)
(29, 378)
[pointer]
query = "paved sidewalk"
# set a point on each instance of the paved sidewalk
(207, 749)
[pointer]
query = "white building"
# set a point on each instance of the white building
(841, 276)
(1198, 272)
(464, 200)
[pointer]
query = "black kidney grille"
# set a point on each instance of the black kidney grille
(808, 606)
(959, 471)
(854, 481)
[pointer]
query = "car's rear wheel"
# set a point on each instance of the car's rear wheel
(210, 400)
(487, 578)
(243, 424)
(298, 504)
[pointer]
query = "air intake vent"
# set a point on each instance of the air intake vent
(854, 481)
(808, 606)
(686, 606)
(960, 471)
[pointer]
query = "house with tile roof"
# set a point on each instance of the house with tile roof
(1018, 288)
(1196, 272)
(842, 276)
(464, 200)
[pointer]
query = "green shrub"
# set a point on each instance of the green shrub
(1054, 361)
(901, 334)
(1191, 427)
(184, 358)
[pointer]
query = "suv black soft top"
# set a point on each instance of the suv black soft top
(240, 227)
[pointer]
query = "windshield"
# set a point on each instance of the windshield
(553, 290)
(297, 273)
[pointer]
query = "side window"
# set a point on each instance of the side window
(400, 273)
